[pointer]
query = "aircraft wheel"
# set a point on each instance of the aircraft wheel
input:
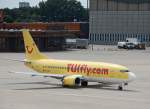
(120, 88)
(84, 83)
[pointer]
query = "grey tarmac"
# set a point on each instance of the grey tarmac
(19, 91)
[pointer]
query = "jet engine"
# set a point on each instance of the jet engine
(72, 80)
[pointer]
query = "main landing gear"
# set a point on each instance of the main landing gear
(120, 87)
(84, 83)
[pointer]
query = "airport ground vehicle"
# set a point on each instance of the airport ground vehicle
(77, 43)
(73, 73)
(131, 43)
(141, 46)
(121, 45)
(82, 43)
(126, 45)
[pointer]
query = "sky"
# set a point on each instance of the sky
(15, 3)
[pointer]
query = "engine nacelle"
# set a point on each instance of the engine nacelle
(72, 80)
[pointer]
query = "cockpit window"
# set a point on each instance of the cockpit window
(124, 71)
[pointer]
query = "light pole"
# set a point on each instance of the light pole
(87, 4)
(92, 40)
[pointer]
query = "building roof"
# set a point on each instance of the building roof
(48, 33)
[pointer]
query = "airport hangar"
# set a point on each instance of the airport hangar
(115, 20)
(48, 36)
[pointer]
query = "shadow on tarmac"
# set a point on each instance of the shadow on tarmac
(59, 86)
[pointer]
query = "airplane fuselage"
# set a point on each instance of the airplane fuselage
(92, 71)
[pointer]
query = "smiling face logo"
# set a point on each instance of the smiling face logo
(29, 49)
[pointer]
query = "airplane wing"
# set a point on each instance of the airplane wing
(57, 76)
(17, 60)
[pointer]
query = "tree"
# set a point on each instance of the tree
(8, 15)
(62, 10)
(51, 10)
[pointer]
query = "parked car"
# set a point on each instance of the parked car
(129, 45)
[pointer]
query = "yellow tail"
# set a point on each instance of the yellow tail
(32, 52)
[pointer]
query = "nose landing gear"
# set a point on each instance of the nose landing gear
(120, 87)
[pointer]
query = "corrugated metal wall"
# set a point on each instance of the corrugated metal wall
(120, 5)
(114, 20)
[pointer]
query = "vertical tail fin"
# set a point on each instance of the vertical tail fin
(32, 52)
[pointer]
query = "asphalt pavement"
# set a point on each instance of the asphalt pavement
(19, 91)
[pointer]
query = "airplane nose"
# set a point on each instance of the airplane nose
(132, 76)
